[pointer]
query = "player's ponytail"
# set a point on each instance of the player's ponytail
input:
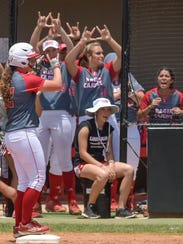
(5, 85)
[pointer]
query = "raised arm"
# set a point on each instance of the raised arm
(41, 23)
(74, 53)
(56, 82)
(105, 35)
(74, 31)
(59, 30)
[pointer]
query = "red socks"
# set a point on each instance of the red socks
(29, 199)
(69, 183)
(18, 207)
(56, 186)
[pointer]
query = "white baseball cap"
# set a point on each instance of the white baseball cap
(50, 43)
(101, 103)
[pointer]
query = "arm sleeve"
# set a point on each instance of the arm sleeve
(33, 82)
(76, 78)
(109, 66)
(145, 101)
(181, 100)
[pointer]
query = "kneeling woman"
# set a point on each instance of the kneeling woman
(94, 158)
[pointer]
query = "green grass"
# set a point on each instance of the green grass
(68, 223)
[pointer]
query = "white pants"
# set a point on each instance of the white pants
(28, 157)
(133, 146)
(60, 126)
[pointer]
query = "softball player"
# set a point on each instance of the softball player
(162, 104)
(58, 123)
(94, 78)
(19, 92)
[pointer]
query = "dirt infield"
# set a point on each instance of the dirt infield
(108, 238)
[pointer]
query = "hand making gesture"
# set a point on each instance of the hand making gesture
(43, 20)
(87, 35)
(105, 33)
(74, 31)
(54, 31)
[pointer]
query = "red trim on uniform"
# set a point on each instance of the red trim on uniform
(143, 152)
(34, 55)
(33, 82)
(110, 67)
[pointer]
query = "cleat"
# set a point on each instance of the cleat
(74, 208)
(16, 233)
(54, 206)
(32, 228)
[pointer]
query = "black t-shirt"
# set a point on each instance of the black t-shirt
(95, 146)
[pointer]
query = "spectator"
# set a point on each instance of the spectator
(94, 157)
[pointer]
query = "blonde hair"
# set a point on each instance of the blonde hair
(5, 85)
(83, 59)
(89, 47)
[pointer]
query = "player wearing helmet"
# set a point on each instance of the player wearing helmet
(19, 92)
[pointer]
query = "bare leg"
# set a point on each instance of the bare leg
(99, 178)
(97, 187)
(126, 172)
(8, 191)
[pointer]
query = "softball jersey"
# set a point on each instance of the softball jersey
(163, 113)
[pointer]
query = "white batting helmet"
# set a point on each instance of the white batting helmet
(19, 54)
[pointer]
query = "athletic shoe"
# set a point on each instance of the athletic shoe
(74, 208)
(114, 205)
(32, 228)
(124, 213)
(90, 212)
(16, 233)
(54, 206)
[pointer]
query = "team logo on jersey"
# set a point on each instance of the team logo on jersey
(93, 82)
(163, 113)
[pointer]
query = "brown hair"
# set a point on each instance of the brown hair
(5, 85)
